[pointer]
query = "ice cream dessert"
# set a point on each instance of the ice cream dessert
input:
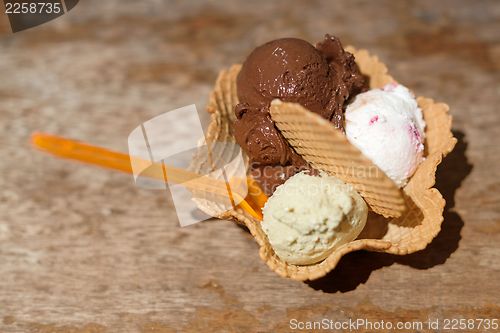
(320, 78)
(289, 235)
(387, 126)
(308, 217)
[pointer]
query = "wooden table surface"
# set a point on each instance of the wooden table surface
(83, 250)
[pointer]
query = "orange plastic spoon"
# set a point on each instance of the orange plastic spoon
(83, 152)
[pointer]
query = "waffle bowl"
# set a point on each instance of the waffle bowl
(411, 231)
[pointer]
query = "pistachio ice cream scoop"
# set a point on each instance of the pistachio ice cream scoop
(310, 216)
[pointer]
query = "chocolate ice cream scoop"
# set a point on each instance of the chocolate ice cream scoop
(319, 78)
(289, 69)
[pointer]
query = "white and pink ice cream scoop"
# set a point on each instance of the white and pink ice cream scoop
(387, 126)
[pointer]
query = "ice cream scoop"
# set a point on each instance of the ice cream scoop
(387, 126)
(293, 70)
(320, 78)
(308, 217)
